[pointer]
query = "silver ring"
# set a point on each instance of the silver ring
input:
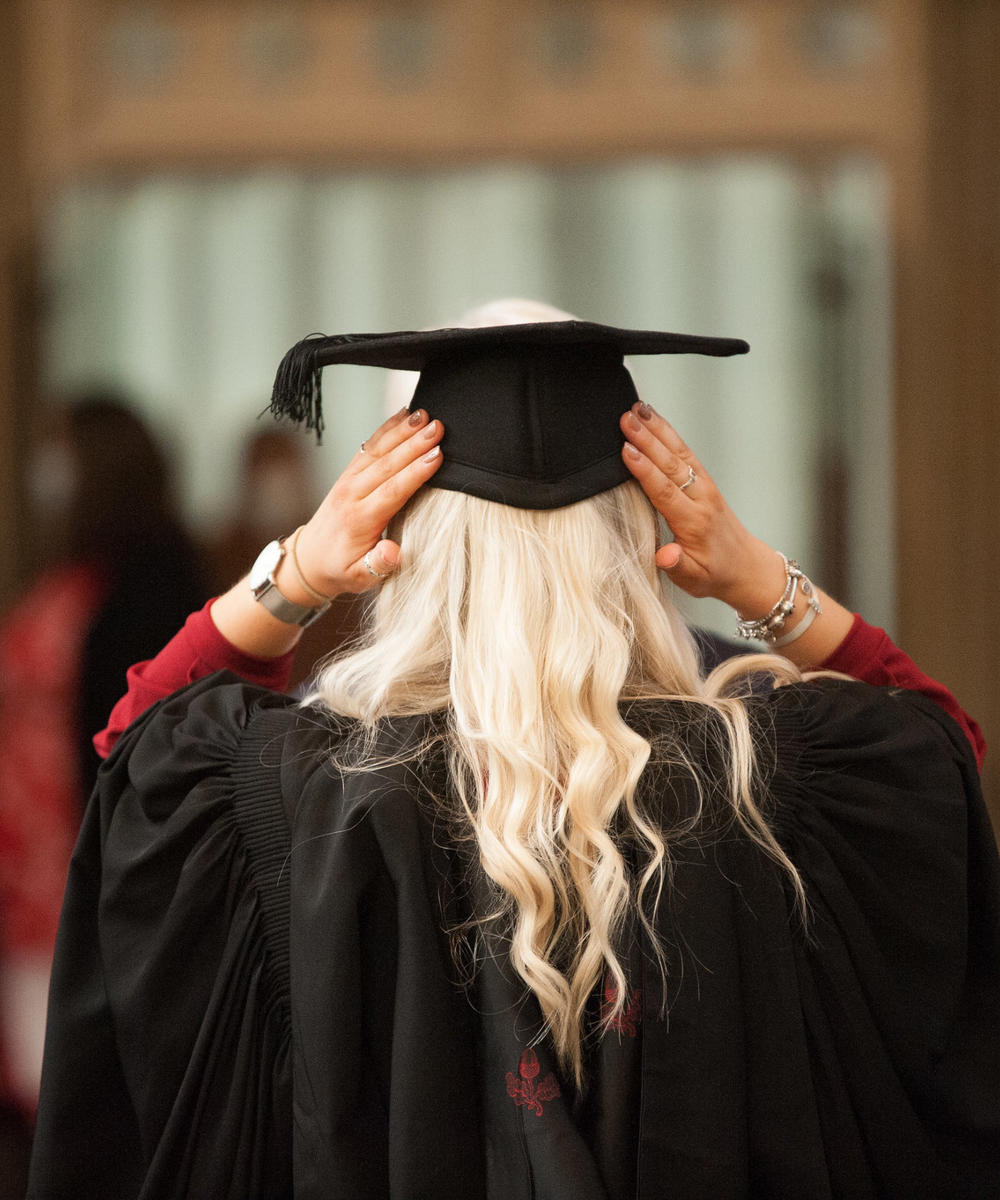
(690, 479)
(371, 570)
(363, 450)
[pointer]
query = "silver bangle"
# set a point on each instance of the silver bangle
(768, 627)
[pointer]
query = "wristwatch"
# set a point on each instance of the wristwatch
(266, 591)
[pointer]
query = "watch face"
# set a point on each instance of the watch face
(266, 562)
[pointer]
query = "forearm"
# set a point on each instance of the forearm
(839, 640)
(249, 627)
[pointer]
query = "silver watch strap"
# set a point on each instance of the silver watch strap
(285, 610)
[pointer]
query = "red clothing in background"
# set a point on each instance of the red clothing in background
(41, 649)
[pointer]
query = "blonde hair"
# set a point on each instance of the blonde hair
(527, 629)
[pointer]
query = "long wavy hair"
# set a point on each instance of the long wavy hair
(527, 630)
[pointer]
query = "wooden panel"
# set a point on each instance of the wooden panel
(948, 411)
(126, 86)
(17, 310)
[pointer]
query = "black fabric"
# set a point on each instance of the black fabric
(253, 995)
(530, 411)
(713, 649)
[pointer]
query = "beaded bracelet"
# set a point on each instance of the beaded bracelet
(768, 627)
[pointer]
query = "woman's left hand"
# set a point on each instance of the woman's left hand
(331, 548)
(396, 460)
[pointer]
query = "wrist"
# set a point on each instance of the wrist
(248, 627)
(289, 587)
(293, 584)
(771, 626)
(266, 588)
(786, 612)
(306, 565)
(758, 583)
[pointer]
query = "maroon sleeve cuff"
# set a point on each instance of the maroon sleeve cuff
(861, 653)
(869, 654)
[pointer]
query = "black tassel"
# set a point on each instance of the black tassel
(298, 392)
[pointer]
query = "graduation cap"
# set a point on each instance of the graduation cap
(530, 411)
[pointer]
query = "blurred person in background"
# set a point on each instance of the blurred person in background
(118, 572)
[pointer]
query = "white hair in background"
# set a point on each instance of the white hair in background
(401, 385)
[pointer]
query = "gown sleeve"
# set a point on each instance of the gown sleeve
(174, 936)
(879, 807)
(869, 654)
(196, 651)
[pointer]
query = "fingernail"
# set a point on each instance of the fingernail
(631, 451)
(431, 430)
(431, 455)
(645, 411)
(403, 411)
(416, 417)
(631, 422)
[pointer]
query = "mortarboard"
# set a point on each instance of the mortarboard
(530, 411)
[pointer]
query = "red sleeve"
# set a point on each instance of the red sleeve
(199, 649)
(869, 654)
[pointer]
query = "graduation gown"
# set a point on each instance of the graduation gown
(254, 993)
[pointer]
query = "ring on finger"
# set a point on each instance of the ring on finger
(367, 560)
(363, 448)
(690, 479)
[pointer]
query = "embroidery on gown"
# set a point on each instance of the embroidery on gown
(525, 1091)
(627, 1021)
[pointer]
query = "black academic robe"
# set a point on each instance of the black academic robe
(254, 994)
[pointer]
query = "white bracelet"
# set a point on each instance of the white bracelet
(811, 613)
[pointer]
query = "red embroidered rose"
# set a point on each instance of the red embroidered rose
(524, 1091)
(627, 1021)
(528, 1065)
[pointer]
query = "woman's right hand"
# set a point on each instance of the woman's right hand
(713, 554)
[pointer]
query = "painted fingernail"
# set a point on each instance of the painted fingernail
(631, 422)
(645, 411)
(431, 430)
(431, 455)
(416, 417)
(631, 451)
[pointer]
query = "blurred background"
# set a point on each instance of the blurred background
(189, 186)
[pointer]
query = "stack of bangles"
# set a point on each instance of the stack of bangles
(768, 627)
